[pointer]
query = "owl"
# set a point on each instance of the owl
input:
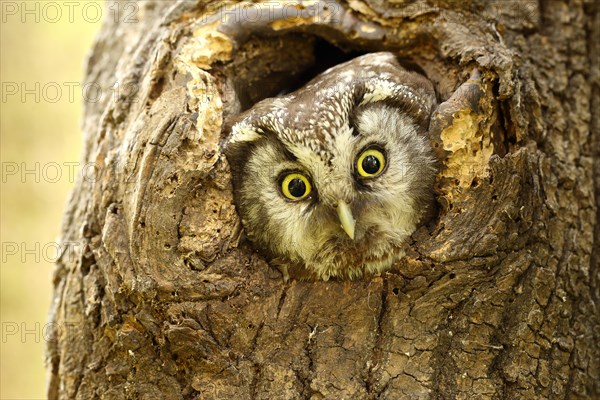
(332, 179)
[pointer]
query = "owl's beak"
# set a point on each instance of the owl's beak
(345, 215)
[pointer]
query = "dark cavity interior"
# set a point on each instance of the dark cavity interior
(263, 73)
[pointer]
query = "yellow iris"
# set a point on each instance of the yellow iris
(295, 186)
(370, 163)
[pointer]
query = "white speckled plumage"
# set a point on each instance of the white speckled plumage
(320, 130)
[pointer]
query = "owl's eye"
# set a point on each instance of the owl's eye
(295, 186)
(370, 163)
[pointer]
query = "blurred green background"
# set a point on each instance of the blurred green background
(42, 51)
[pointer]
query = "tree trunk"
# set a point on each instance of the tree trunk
(158, 294)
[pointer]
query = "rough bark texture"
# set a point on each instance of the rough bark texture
(161, 297)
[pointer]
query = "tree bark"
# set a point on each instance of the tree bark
(158, 295)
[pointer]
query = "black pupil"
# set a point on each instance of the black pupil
(297, 187)
(370, 164)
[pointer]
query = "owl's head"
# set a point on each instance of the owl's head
(336, 176)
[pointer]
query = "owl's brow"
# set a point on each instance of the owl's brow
(410, 109)
(272, 136)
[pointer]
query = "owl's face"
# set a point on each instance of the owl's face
(336, 176)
